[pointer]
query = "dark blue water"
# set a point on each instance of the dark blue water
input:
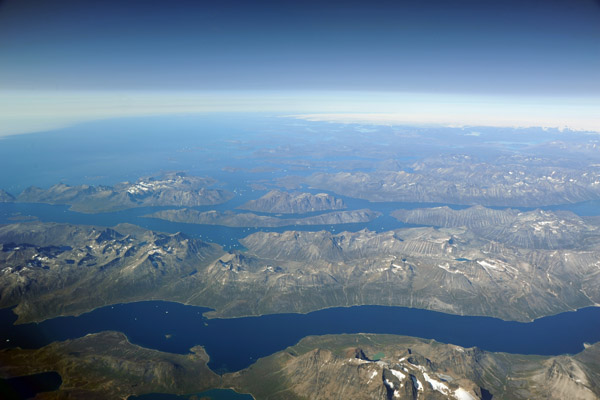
(26, 387)
(227, 236)
(236, 343)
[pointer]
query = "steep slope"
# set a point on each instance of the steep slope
(6, 197)
(50, 269)
(536, 229)
(175, 189)
(191, 216)
(277, 201)
(340, 367)
(450, 270)
(362, 366)
(106, 366)
(58, 269)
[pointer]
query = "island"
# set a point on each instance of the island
(173, 189)
(232, 219)
(6, 197)
(279, 202)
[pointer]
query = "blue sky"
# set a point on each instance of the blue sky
(520, 48)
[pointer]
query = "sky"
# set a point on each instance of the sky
(114, 57)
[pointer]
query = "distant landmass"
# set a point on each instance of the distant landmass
(6, 197)
(232, 219)
(107, 366)
(463, 179)
(532, 229)
(279, 202)
(175, 189)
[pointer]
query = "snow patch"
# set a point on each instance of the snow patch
(436, 385)
(398, 374)
(373, 375)
(446, 268)
(497, 265)
(462, 394)
(357, 361)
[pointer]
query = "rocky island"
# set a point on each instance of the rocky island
(279, 202)
(6, 197)
(232, 219)
(175, 189)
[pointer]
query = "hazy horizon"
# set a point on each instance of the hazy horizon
(511, 63)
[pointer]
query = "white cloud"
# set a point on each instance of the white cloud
(463, 111)
(29, 111)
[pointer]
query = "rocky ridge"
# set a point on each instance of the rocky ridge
(232, 219)
(536, 229)
(463, 179)
(449, 269)
(50, 269)
(174, 189)
(6, 197)
(339, 367)
(361, 366)
(58, 269)
(280, 202)
(106, 366)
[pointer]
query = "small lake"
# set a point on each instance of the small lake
(236, 343)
